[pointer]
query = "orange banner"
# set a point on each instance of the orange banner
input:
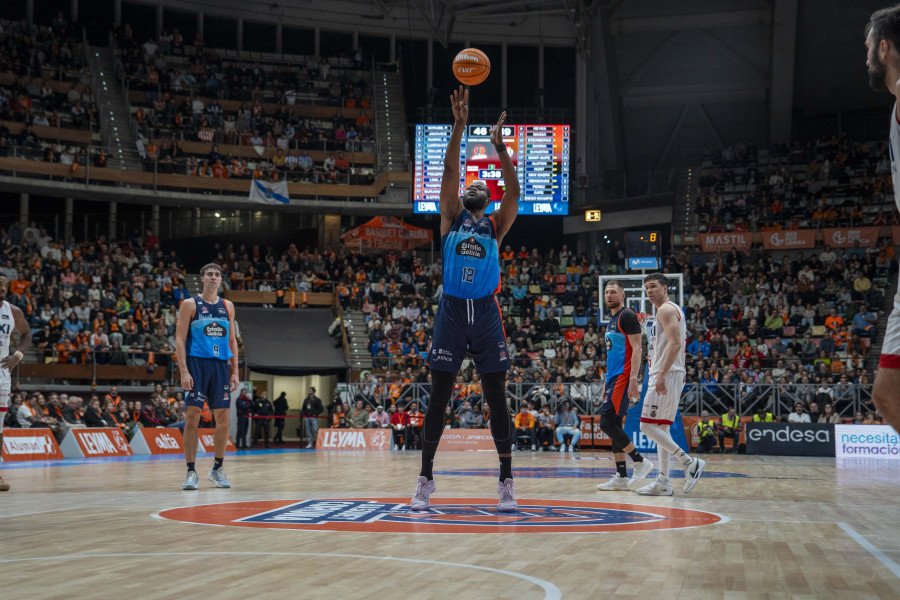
(154, 440)
(29, 444)
(206, 440)
(591, 436)
(354, 439)
(846, 237)
(789, 240)
(387, 233)
(95, 441)
(715, 242)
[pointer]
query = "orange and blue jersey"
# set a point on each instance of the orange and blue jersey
(619, 352)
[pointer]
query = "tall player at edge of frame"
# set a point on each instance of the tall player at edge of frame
(468, 315)
(883, 61)
(665, 355)
(11, 317)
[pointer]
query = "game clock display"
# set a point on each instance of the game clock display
(539, 153)
(642, 249)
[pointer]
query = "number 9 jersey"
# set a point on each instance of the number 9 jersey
(208, 336)
(471, 258)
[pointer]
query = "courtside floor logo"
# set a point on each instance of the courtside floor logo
(447, 515)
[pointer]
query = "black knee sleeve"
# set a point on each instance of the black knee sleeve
(441, 390)
(494, 387)
(611, 425)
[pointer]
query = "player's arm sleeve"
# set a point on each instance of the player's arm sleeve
(629, 324)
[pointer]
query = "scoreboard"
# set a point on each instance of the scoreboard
(539, 153)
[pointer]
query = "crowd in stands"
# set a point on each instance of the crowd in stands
(185, 87)
(61, 411)
(44, 81)
(109, 302)
(834, 182)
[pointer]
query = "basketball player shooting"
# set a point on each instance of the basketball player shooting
(11, 317)
(468, 315)
(205, 344)
(883, 44)
(665, 349)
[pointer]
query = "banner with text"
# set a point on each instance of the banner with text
(354, 439)
(153, 440)
(789, 240)
(716, 242)
(847, 237)
(591, 436)
(467, 439)
(29, 444)
(790, 439)
(866, 441)
(95, 441)
(206, 441)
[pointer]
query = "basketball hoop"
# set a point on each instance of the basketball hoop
(642, 317)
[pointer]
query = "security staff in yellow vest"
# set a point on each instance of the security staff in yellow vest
(730, 427)
(706, 433)
(763, 416)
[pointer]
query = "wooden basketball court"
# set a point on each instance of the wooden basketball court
(784, 528)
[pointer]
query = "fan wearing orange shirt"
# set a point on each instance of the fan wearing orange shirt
(524, 423)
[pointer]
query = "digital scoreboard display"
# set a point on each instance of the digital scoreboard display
(539, 153)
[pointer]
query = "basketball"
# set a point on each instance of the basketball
(471, 66)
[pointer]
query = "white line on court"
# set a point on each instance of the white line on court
(881, 556)
(551, 592)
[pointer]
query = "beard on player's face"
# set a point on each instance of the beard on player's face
(475, 199)
(877, 70)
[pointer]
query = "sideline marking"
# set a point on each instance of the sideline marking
(881, 556)
(551, 592)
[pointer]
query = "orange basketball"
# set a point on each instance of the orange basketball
(471, 66)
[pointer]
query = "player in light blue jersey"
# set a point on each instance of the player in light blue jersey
(206, 345)
(468, 317)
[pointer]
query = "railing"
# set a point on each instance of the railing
(189, 183)
(716, 398)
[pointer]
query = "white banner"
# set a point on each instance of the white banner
(269, 193)
(866, 441)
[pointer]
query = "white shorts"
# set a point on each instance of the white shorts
(890, 349)
(661, 409)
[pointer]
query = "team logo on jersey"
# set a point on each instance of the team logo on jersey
(221, 311)
(449, 515)
(471, 248)
(213, 330)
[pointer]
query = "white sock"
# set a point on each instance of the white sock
(663, 465)
(664, 441)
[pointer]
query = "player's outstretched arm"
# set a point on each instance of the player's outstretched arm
(451, 205)
(185, 314)
(509, 204)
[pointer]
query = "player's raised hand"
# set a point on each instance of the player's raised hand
(459, 102)
(497, 131)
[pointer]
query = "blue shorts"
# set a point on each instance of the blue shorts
(615, 398)
(212, 383)
(473, 325)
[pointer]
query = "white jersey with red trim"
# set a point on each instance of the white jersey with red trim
(7, 324)
(895, 154)
(657, 343)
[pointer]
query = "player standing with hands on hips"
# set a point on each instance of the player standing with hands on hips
(11, 317)
(883, 60)
(665, 348)
(468, 316)
(205, 345)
